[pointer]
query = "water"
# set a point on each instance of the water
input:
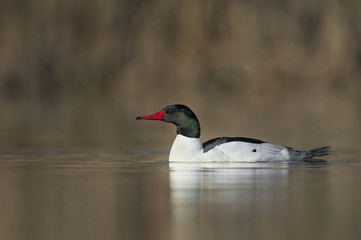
(105, 194)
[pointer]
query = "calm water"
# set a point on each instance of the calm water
(123, 195)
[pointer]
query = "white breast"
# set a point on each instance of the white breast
(185, 149)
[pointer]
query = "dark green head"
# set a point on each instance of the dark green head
(181, 116)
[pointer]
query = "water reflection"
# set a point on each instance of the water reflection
(112, 195)
(195, 176)
(223, 196)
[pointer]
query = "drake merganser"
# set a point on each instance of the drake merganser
(188, 147)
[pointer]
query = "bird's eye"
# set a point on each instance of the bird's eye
(170, 111)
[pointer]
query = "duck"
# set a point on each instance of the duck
(187, 146)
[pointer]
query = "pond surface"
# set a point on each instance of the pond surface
(105, 194)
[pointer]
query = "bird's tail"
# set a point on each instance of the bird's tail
(315, 152)
(310, 154)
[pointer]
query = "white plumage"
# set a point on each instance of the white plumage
(186, 149)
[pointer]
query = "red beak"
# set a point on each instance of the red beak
(155, 116)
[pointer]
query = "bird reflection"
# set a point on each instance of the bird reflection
(218, 193)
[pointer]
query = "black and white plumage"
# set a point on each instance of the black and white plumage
(221, 140)
(188, 147)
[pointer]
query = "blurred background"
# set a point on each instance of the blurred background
(75, 74)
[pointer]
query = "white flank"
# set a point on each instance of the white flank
(186, 149)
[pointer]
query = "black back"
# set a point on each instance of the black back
(218, 141)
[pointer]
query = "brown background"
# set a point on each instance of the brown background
(77, 73)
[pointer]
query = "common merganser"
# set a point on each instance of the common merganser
(188, 147)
